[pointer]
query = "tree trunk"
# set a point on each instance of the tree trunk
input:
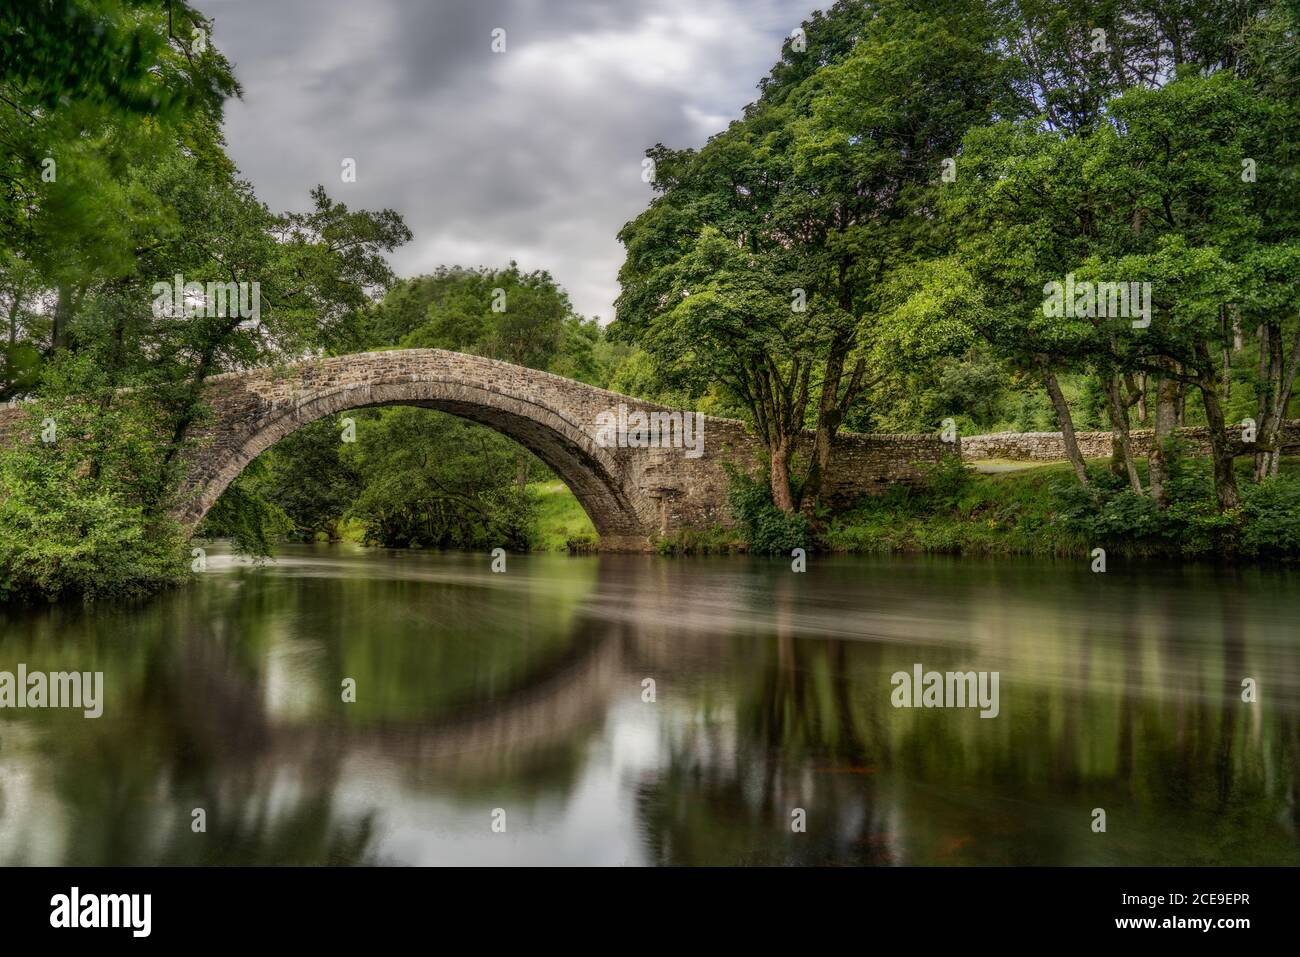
(1068, 437)
(1282, 378)
(780, 475)
(61, 320)
(13, 319)
(830, 416)
(1180, 404)
(1277, 409)
(778, 405)
(828, 423)
(1225, 480)
(1119, 427)
(1263, 403)
(1166, 422)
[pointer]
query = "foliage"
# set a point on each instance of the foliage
(767, 530)
(62, 537)
(74, 511)
(301, 490)
(431, 480)
(117, 182)
(522, 318)
(1271, 518)
(707, 541)
(759, 267)
(250, 521)
(1040, 510)
(867, 246)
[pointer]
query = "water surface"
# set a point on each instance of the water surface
(521, 697)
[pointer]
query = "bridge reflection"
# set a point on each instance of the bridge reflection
(523, 691)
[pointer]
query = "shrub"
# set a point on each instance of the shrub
(63, 534)
(710, 541)
(84, 515)
(1271, 513)
(581, 544)
(946, 483)
(767, 529)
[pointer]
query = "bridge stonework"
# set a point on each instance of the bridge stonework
(633, 495)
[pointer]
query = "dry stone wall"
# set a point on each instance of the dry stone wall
(1050, 446)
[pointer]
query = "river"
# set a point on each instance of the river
(638, 710)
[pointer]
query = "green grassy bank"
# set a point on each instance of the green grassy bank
(1031, 509)
(561, 523)
(1026, 509)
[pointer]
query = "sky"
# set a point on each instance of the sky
(532, 154)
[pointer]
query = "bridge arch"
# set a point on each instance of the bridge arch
(254, 411)
(633, 492)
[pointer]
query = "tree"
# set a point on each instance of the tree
(1175, 211)
(1128, 168)
(824, 187)
(116, 183)
(505, 314)
(435, 481)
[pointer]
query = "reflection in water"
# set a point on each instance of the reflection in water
(523, 691)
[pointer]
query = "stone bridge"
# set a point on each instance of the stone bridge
(632, 494)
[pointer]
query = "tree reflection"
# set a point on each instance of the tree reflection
(773, 698)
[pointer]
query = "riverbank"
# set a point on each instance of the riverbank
(1011, 512)
(1039, 509)
(561, 524)
(991, 509)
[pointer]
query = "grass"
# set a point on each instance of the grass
(1019, 465)
(1003, 513)
(1017, 513)
(562, 525)
(709, 541)
(997, 513)
(991, 514)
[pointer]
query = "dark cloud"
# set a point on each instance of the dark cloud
(532, 154)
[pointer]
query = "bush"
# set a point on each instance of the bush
(767, 530)
(1190, 524)
(84, 515)
(431, 480)
(690, 541)
(243, 514)
(581, 544)
(1271, 513)
(946, 483)
(63, 534)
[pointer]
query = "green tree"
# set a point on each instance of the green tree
(116, 183)
(499, 313)
(760, 262)
(435, 481)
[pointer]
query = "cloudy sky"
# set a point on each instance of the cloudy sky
(532, 154)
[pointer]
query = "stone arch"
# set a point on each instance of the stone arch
(592, 473)
(633, 491)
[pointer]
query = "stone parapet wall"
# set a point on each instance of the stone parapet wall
(1050, 446)
(869, 464)
(1031, 446)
